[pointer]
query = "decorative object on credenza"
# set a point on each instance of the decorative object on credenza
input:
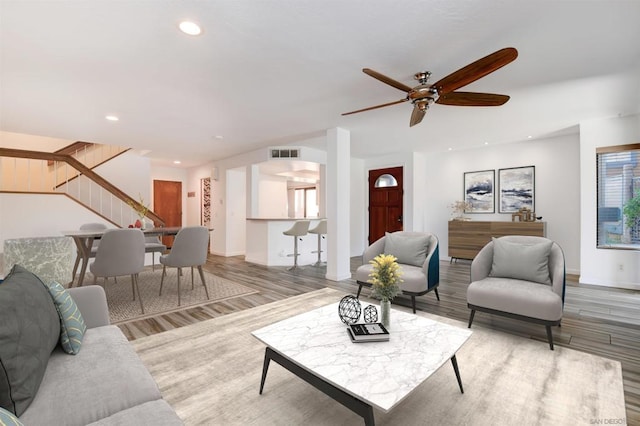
(370, 314)
(516, 189)
(458, 208)
(478, 191)
(349, 309)
(385, 279)
(524, 215)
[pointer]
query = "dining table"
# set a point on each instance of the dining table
(84, 242)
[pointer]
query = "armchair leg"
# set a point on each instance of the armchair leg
(549, 337)
(437, 295)
(359, 290)
(413, 303)
(473, 312)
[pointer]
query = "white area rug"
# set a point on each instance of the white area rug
(210, 373)
(122, 307)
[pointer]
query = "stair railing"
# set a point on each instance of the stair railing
(29, 172)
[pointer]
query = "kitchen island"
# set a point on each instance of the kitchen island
(267, 245)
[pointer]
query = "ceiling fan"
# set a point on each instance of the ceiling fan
(443, 91)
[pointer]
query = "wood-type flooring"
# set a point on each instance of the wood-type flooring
(597, 320)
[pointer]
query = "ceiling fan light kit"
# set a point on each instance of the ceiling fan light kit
(443, 91)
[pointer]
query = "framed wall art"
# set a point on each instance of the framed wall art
(478, 191)
(516, 189)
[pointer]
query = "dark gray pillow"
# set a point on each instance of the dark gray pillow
(29, 331)
(409, 249)
(528, 262)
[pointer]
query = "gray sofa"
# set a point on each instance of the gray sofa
(104, 384)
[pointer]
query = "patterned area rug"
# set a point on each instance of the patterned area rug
(122, 307)
(210, 373)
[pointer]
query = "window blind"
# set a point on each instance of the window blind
(618, 193)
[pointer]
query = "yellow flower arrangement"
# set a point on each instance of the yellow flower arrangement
(385, 276)
(141, 209)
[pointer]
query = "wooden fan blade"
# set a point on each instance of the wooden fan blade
(376, 107)
(472, 99)
(386, 80)
(476, 70)
(417, 115)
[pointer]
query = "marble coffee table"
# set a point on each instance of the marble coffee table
(315, 346)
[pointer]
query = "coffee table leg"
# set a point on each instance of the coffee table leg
(265, 368)
(357, 406)
(454, 362)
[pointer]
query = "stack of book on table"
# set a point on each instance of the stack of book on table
(374, 332)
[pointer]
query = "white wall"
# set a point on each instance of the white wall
(358, 208)
(272, 196)
(32, 142)
(602, 266)
(236, 212)
(557, 187)
(41, 215)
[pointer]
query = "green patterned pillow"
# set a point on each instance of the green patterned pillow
(8, 418)
(72, 325)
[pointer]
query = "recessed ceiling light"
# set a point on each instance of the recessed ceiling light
(529, 137)
(111, 118)
(486, 143)
(450, 149)
(176, 162)
(220, 137)
(190, 28)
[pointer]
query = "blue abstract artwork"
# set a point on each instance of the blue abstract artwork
(478, 191)
(517, 189)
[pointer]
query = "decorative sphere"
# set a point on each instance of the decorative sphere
(370, 314)
(349, 309)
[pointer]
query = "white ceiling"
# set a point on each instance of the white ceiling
(268, 72)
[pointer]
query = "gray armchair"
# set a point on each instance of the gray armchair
(520, 277)
(189, 249)
(418, 256)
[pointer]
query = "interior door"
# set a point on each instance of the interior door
(385, 202)
(167, 203)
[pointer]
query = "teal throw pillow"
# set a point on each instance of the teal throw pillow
(528, 262)
(72, 326)
(8, 419)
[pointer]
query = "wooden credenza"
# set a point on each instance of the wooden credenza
(466, 239)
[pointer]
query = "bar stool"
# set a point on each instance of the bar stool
(321, 231)
(299, 229)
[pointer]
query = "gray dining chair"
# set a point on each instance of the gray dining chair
(189, 249)
(94, 245)
(121, 252)
(153, 245)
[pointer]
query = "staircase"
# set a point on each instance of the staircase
(69, 172)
